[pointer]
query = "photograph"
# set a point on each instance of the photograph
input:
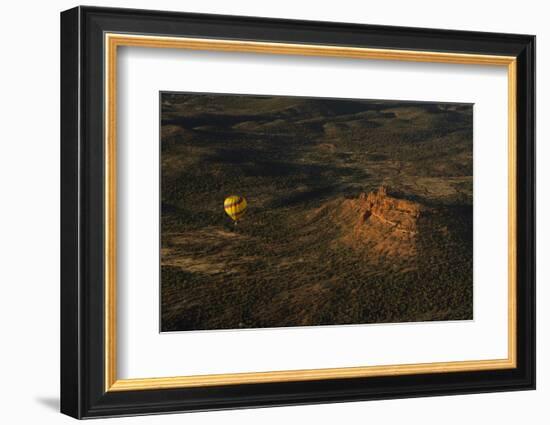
(283, 211)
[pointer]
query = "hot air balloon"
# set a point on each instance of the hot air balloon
(235, 207)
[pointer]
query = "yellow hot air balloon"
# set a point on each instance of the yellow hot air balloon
(235, 207)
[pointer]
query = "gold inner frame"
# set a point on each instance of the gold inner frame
(113, 41)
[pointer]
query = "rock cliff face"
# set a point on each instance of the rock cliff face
(400, 215)
(379, 224)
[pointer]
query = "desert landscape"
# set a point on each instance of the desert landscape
(359, 211)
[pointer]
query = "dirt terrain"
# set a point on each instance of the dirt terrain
(358, 211)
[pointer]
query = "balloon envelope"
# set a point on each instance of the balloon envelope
(235, 206)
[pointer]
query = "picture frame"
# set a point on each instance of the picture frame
(91, 38)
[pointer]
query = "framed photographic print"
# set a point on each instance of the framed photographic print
(261, 212)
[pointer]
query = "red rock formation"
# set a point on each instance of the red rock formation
(399, 214)
(378, 224)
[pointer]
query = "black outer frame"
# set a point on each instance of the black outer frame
(82, 218)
